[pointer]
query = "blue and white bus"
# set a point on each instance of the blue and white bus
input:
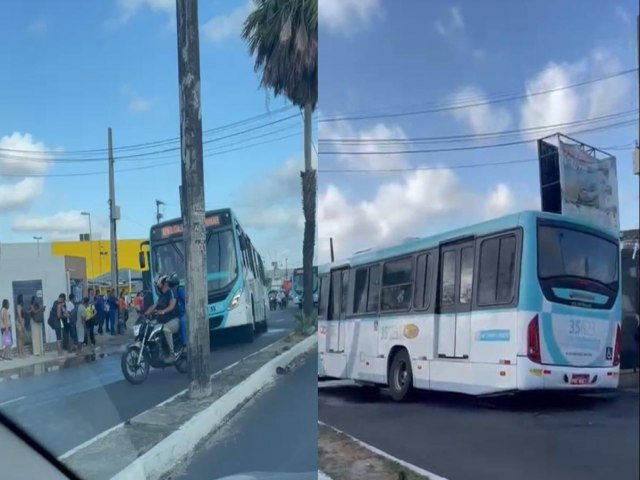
(298, 286)
(236, 279)
(529, 301)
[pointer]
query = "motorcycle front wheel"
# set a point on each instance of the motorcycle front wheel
(134, 372)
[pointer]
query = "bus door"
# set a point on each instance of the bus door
(337, 311)
(454, 299)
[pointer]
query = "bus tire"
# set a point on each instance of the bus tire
(400, 376)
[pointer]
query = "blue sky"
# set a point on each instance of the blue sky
(74, 68)
(381, 57)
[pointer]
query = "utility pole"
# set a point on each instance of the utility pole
(114, 215)
(158, 214)
(37, 239)
(331, 249)
(193, 192)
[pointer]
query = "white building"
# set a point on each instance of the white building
(31, 270)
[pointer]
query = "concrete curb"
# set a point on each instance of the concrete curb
(377, 451)
(162, 458)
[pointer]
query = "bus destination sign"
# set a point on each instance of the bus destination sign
(177, 229)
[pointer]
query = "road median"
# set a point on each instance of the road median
(343, 457)
(150, 444)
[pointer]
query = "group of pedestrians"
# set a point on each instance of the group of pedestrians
(25, 320)
(74, 322)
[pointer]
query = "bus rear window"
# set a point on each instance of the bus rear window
(566, 254)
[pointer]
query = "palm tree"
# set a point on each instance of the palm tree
(283, 37)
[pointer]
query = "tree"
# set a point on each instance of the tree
(283, 37)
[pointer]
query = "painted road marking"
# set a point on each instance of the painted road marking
(377, 451)
(164, 402)
(2, 404)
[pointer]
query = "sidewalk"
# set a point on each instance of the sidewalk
(50, 361)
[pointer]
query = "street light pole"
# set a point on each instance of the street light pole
(37, 239)
(193, 197)
(88, 214)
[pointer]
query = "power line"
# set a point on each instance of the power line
(138, 156)
(470, 147)
(471, 137)
(176, 161)
(456, 106)
(449, 167)
(155, 142)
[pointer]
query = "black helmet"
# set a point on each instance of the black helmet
(173, 280)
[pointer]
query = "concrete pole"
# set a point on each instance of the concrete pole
(113, 215)
(193, 190)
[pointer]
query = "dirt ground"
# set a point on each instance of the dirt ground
(343, 459)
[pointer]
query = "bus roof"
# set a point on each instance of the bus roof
(483, 228)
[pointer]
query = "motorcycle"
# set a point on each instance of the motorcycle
(273, 303)
(148, 350)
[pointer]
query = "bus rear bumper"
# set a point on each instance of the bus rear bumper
(533, 376)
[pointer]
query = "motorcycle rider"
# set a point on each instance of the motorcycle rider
(165, 309)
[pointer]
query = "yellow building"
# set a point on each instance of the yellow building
(98, 255)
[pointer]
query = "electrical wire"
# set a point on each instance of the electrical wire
(461, 105)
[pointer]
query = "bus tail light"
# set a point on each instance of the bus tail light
(616, 349)
(533, 341)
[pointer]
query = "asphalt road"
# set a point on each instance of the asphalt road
(65, 408)
(527, 439)
(275, 433)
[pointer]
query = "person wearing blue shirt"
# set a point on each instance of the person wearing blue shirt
(113, 312)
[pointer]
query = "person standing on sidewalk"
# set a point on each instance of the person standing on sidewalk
(99, 304)
(5, 330)
(21, 330)
(70, 332)
(112, 301)
(58, 320)
(36, 314)
(88, 317)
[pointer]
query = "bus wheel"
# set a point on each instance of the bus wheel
(400, 376)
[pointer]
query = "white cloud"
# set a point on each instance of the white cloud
(38, 26)
(452, 25)
(423, 202)
(344, 130)
(127, 9)
(14, 196)
(347, 16)
(480, 118)
(271, 206)
(568, 105)
(139, 105)
(20, 154)
(56, 225)
(622, 15)
(225, 26)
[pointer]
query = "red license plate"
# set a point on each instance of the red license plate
(579, 379)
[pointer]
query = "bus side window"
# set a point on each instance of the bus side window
(373, 294)
(336, 298)
(360, 290)
(325, 284)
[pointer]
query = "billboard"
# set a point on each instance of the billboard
(579, 181)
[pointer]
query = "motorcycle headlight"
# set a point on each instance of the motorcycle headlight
(235, 301)
(136, 330)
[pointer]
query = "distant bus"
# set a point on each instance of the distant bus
(529, 301)
(298, 286)
(236, 281)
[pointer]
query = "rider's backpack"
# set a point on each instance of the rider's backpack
(181, 300)
(53, 315)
